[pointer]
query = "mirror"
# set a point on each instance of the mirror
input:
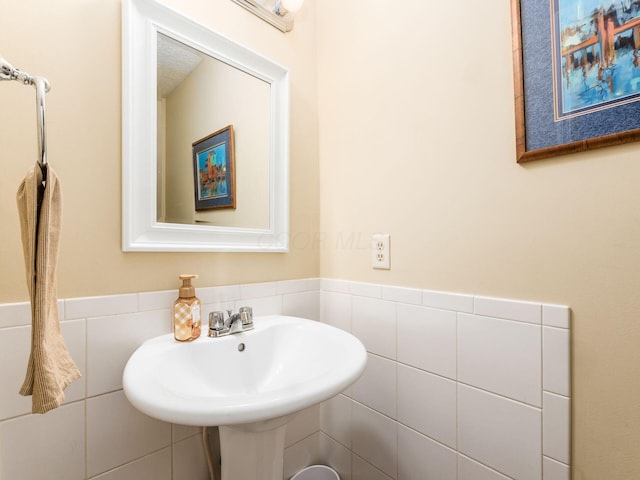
(205, 138)
(197, 96)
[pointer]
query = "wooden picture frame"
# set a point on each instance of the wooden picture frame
(576, 76)
(214, 173)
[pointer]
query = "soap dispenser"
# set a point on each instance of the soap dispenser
(186, 312)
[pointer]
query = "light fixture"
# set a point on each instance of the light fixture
(278, 13)
(292, 5)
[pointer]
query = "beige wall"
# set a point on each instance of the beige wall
(76, 44)
(417, 140)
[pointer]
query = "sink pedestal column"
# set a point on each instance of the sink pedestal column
(253, 451)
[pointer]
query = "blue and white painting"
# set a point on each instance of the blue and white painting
(212, 172)
(596, 55)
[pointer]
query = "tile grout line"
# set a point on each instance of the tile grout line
(86, 392)
(542, 392)
(457, 404)
(397, 394)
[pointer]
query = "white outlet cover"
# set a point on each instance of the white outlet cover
(380, 251)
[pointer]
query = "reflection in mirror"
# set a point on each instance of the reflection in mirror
(197, 96)
(184, 84)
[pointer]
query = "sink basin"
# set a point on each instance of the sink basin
(282, 366)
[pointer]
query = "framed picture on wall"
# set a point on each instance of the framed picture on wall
(576, 75)
(214, 170)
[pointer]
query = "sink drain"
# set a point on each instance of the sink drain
(241, 347)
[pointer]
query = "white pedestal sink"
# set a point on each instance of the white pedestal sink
(250, 384)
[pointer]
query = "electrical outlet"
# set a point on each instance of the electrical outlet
(380, 251)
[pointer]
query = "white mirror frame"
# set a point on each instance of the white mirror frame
(142, 21)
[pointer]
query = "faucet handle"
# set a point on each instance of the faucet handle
(216, 320)
(246, 315)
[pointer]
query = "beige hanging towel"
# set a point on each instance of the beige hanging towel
(51, 368)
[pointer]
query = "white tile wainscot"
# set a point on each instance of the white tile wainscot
(458, 387)
(415, 413)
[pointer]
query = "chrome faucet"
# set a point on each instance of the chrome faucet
(235, 322)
